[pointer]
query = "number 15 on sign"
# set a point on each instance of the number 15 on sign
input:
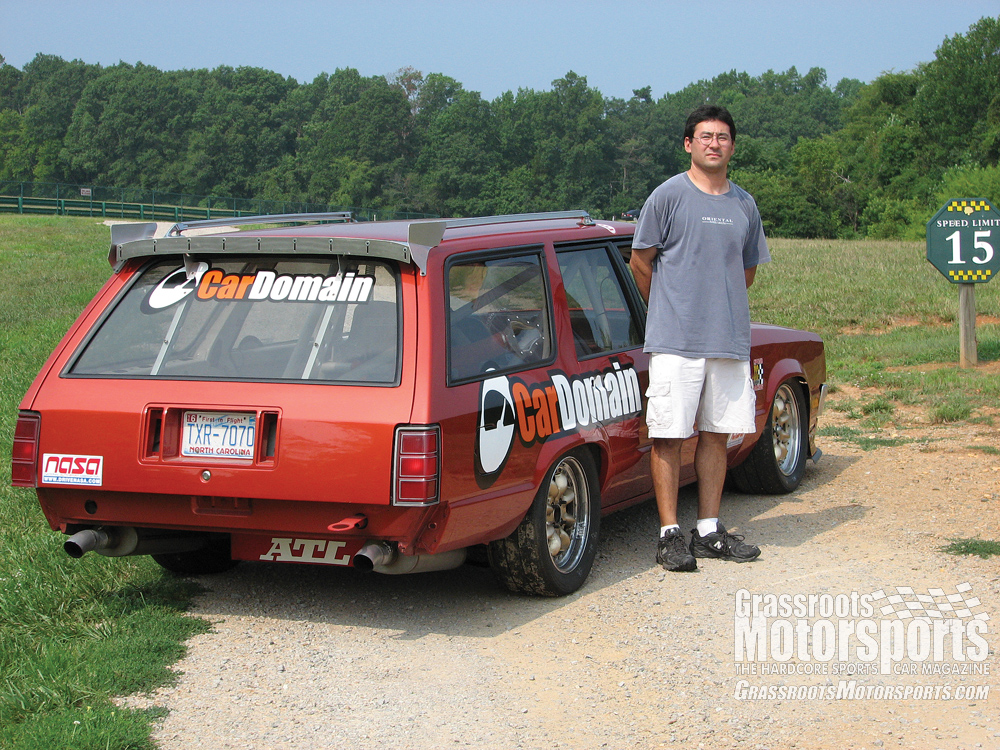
(980, 244)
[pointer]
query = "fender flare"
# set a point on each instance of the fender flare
(785, 369)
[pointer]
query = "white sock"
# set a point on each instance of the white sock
(668, 527)
(707, 526)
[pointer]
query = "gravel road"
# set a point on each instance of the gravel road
(309, 657)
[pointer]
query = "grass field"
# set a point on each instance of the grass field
(75, 633)
(889, 322)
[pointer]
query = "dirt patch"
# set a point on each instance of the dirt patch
(305, 656)
(987, 367)
(911, 322)
(914, 422)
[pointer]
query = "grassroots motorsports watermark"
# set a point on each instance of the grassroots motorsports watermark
(842, 642)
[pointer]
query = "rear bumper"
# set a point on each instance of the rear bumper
(68, 510)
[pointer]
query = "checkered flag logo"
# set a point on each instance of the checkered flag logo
(906, 604)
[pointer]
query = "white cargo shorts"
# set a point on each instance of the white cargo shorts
(715, 394)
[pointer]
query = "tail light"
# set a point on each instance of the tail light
(416, 466)
(24, 454)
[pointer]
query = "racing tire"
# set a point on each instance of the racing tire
(209, 560)
(552, 551)
(777, 462)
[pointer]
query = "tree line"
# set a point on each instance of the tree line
(848, 160)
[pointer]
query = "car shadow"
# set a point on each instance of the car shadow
(468, 601)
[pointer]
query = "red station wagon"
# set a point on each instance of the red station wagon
(382, 395)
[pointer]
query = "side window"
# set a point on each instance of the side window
(498, 317)
(601, 317)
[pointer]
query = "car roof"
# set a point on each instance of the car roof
(406, 241)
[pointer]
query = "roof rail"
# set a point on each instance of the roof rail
(136, 240)
(424, 234)
(477, 221)
(319, 218)
(346, 216)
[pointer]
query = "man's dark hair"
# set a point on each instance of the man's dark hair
(707, 112)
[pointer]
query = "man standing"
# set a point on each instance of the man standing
(696, 249)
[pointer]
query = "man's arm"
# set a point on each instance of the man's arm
(641, 263)
(748, 272)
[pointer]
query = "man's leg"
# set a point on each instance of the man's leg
(673, 394)
(710, 466)
(665, 463)
(727, 406)
(714, 540)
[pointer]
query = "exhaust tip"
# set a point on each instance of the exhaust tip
(84, 541)
(374, 554)
(74, 550)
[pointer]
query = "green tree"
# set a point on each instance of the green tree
(238, 130)
(131, 128)
(636, 168)
(957, 89)
(364, 119)
(10, 78)
(572, 151)
(43, 96)
(970, 182)
(459, 158)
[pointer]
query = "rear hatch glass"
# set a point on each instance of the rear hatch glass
(252, 318)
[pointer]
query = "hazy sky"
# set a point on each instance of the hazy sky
(498, 46)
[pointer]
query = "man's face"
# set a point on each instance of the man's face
(712, 146)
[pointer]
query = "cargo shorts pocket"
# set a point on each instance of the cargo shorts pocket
(659, 406)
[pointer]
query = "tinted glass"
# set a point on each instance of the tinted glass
(499, 316)
(331, 319)
(602, 320)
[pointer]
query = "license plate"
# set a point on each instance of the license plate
(218, 434)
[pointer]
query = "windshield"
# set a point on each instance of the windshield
(326, 319)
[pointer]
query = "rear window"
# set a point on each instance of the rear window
(330, 319)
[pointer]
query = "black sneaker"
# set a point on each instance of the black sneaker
(672, 553)
(723, 545)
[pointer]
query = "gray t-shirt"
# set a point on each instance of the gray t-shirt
(698, 304)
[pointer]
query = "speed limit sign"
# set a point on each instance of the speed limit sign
(963, 241)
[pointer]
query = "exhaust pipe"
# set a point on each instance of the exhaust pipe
(383, 557)
(374, 554)
(120, 541)
(86, 541)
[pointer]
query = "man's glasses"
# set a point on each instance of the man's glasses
(706, 138)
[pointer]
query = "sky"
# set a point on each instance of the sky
(494, 46)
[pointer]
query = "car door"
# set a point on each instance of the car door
(608, 324)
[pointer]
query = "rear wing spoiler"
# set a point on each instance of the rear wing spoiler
(139, 240)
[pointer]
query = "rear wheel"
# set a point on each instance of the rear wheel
(211, 559)
(778, 460)
(552, 551)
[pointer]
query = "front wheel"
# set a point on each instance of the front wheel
(776, 463)
(552, 551)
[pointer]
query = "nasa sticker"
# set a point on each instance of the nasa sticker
(495, 433)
